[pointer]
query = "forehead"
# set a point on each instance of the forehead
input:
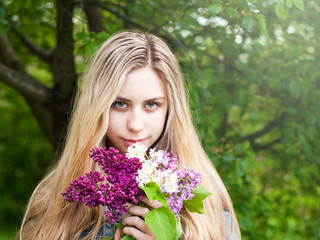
(143, 83)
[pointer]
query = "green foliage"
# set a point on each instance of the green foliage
(25, 154)
(252, 70)
(3, 20)
(283, 6)
(161, 221)
(153, 192)
(195, 204)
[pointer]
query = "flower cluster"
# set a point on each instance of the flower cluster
(118, 188)
(161, 168)
(86, 190)
(127, 174)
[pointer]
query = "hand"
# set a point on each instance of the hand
(134, 223)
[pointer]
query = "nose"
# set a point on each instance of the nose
(135, 121)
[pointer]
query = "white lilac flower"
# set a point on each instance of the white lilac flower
(156, 155)
(161, 168)
(137, 150)
(145, 175)
(171, 183)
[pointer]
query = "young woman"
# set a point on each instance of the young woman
(133, 90)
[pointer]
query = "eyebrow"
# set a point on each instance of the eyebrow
(147, 100)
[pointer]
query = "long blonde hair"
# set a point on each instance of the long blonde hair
(48, 216)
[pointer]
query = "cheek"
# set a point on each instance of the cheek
(114, 123)
(158, 122)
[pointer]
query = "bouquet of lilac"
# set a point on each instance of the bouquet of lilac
(129, 176)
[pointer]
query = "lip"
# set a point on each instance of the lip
(130, 142)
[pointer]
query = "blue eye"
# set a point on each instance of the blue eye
(119, 105)
(152, 105)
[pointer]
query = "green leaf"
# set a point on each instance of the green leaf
(161, 198)
(248, 22)
(125, 237)
(289, 3)
(281, 9)
(262, 24)
(153, 192)
(246, 145)
(162, 222)
(240, 167)
(178, 232)
(231, 12)
(215, 8)
(81, 35)
(150, 190)
(299, 4)
(228, 158)
(196, 204)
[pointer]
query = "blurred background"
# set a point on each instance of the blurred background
(252, 68)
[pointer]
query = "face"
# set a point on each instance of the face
(139, 112)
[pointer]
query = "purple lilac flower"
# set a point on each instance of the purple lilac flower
(188, 180)
(123, 174)
(168, 161)
(85, 190)
(177, 184)
(119, 188)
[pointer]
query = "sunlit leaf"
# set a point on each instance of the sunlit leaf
(248, 22)
(299, 4)
(262, 24)
(196, 204)
(282, 9)
(231, 12)
(162, 223)
(215, 8)
(289, 3)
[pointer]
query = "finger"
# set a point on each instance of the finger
(154, 204)
(138, 211)
(127, 205)
(137, 234)
(117, 235)
(136, 222)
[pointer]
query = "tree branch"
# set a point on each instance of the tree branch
(257, 147)
(63, 64)
(266, 129)
(25, 84)
(122, 16)
(13, 74)
(226, 63)
(94, 16)
(41, 53)
(224, 124)
(8, 55)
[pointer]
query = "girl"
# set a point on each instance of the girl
(133, 90)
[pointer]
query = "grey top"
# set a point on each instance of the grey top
(231, 235)
(107, 230)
